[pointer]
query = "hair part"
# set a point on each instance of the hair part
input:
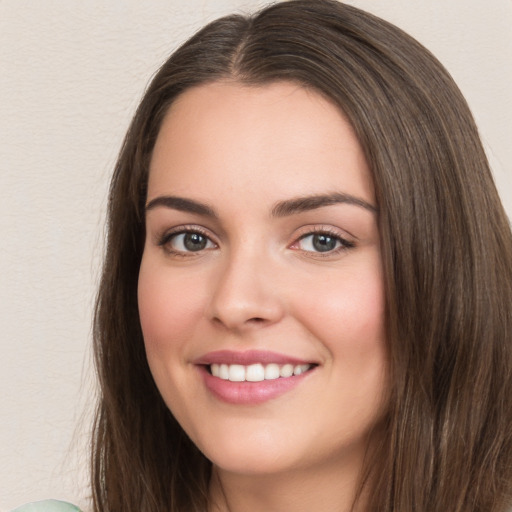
(446, 249)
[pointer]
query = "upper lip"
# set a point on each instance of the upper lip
(248, 357)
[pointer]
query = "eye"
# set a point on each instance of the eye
(186, 242)
(322, 242)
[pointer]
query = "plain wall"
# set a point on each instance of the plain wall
(71, 74)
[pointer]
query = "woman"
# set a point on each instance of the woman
(433, 404)
(306, 297)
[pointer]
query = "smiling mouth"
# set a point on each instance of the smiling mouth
(257, 372)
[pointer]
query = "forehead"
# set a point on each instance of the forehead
(271, 139)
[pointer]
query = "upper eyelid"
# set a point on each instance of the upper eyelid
(323, 232)
(328, 229)
(187, 228)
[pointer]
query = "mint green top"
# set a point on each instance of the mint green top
(47, 506)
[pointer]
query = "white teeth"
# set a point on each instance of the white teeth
(224, 371)
(286, 370)
(236, 373)
(256, 372)
(300, 368)
(271, 371)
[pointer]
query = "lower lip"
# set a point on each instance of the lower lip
(249, 393)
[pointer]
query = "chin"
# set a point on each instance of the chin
(247, 452)
(255, 464)
(280, 450)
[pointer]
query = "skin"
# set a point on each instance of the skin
(260, 283)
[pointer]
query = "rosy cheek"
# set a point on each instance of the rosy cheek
(348, 312)
(154, 304)
(168, 308)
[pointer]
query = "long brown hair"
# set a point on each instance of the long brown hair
(446, 249)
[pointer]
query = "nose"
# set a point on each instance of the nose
(245, 294)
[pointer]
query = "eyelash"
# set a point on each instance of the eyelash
(344, 244)
(166, 238)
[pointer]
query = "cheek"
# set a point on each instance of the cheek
(350, 322)
(347, 310)
(168, 308)
(346, 313)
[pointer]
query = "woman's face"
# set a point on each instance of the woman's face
(260, 290)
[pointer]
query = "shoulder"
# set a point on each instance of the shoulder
(47, 506)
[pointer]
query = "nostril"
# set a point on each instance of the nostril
(256, 320)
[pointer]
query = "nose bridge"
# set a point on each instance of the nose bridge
(243, 295)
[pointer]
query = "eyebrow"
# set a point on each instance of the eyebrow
(280, 209)
(181, 204)
(302, 204)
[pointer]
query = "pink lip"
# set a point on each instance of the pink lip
(248, 393)
(247, 357)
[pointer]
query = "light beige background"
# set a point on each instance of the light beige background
(71, 73)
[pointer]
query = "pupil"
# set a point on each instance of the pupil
(324, 243)
(194, 241)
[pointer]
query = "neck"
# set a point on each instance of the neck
(330, 489)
